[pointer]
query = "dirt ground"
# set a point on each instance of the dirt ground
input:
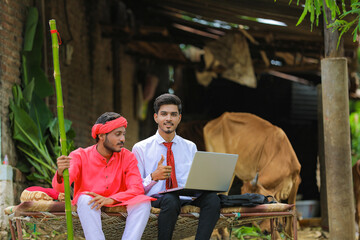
(306, 231)
(311, 233)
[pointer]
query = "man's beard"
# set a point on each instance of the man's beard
(108, 146)
(168, 131)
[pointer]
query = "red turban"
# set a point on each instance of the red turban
(108, 126)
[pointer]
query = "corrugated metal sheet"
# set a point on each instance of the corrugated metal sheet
(303, 103)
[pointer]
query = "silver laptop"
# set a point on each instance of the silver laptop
(209, 172)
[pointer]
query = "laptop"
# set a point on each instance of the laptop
(209, 172)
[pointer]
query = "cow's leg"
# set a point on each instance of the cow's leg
(292, 200)
(224, 233)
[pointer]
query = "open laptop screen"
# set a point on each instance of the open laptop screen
(209, 172)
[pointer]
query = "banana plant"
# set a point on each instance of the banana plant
(33, 124)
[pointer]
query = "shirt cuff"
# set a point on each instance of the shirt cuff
(59, 178)
(148, 183)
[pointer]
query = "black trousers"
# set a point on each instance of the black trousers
(170, 205)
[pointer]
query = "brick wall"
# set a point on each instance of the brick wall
(88, 81)
(12, 18)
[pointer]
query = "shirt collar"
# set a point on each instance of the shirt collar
(159, 139)
(101, 157)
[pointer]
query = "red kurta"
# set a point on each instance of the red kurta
(118, 179)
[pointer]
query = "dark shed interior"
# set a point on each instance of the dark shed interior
(285, 57)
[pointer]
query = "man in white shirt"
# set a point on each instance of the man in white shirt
(164, 161)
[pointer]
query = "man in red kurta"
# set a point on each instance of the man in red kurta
(105, 174)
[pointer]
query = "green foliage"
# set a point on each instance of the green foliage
(315, 8)
(355, 130)
(338, 13)
(32, 231)
(254, 233)
(34, 127)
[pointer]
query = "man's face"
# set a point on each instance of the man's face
(168, 118)
(115, 139)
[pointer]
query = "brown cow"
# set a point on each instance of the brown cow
(264, 151)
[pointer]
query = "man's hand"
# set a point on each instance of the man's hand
(162, 172)
(99, 200)
(63, 162)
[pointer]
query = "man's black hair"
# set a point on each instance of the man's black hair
(106, 117)
(166, 99)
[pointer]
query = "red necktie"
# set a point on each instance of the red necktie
(170, 182)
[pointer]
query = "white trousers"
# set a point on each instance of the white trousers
(138, 215)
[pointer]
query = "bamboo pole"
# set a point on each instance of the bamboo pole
(60, 111)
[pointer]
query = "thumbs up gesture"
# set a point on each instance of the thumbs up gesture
(162, 172)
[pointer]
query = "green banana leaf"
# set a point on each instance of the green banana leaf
(29, 90)
(55, 133)
(32, 56)
(24, 128)
(30, 28)
(41, 114)
(42, 86)
(32, 67)
(19, 98)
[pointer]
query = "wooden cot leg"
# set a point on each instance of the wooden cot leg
(19, 229)
(294, 219)
(12, 230)
(272, 229)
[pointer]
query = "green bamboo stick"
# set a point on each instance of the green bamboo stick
(60, 111)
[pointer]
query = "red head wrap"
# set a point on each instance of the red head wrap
(108, 126)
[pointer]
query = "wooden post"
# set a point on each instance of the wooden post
(321, 154)
(337, 150)
(335, 97)
(340, 196)
(331, 38)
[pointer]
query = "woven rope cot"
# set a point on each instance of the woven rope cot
(113, 219)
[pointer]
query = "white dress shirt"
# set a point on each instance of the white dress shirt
(148, 153)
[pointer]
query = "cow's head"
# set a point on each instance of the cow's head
(280, 192)
(254, 186)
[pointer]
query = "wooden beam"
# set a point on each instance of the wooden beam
(314, 68)
(213, 13)
(290, 77)
(255, 8)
